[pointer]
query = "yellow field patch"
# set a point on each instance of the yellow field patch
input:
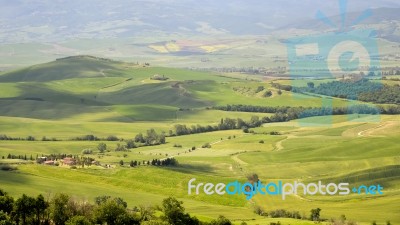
(159, 48)
(213, 48)
(172, 47)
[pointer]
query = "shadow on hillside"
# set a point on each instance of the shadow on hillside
(193, 168)
(13, 177)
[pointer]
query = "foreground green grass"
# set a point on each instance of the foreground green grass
(306, 154)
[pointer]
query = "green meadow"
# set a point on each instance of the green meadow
(83, 95)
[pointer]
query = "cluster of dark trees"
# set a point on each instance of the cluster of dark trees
(259, 89)
(91, 137)
(282, 213)
(267, 94)
(247, 70)
(363, 90)
(61, 209)
(281, 86)
(44, 138)
(225, 124)
(386, 95)
(4, 137)
(155, 162)
(281, 114)
(23, 157)
(286, 113)
(253, 108)
(391, 110)
(151, 138)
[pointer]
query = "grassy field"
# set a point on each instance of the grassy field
(112, 98)
(316, 155)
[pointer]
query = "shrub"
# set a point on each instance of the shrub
(112, 138)
(206, 145)
(120, 148)
(130, 144)
(30, 138)
(87, 151)
(282, 213)
(267, 94)
(259, 211)
(259, 89)
(273, 223)
(274, 133)
(261, 142)
(177, 146)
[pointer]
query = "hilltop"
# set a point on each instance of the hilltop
(61, 69)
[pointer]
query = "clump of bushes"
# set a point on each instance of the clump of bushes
(87, 151)
(274, 133)
(206, 145)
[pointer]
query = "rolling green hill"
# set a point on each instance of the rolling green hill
(83, 95)
(83, 84)
(66, 68)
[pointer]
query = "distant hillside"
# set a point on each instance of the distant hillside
(64, 68)
(378, 15)
(86, 84)
(60, 20)
(386, 21)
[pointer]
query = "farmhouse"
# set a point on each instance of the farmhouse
(69, 161)
(41, 160)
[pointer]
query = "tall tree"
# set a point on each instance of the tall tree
(40, 208)
(102, 147)
(59, 209)
(6, 202)
(109, 211)
(23, 208)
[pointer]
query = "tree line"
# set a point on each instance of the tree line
(61, 209)
(280, 114)
(363, 90)
(224, 124)
(153, 162)
(289, 113)
(4, 137)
